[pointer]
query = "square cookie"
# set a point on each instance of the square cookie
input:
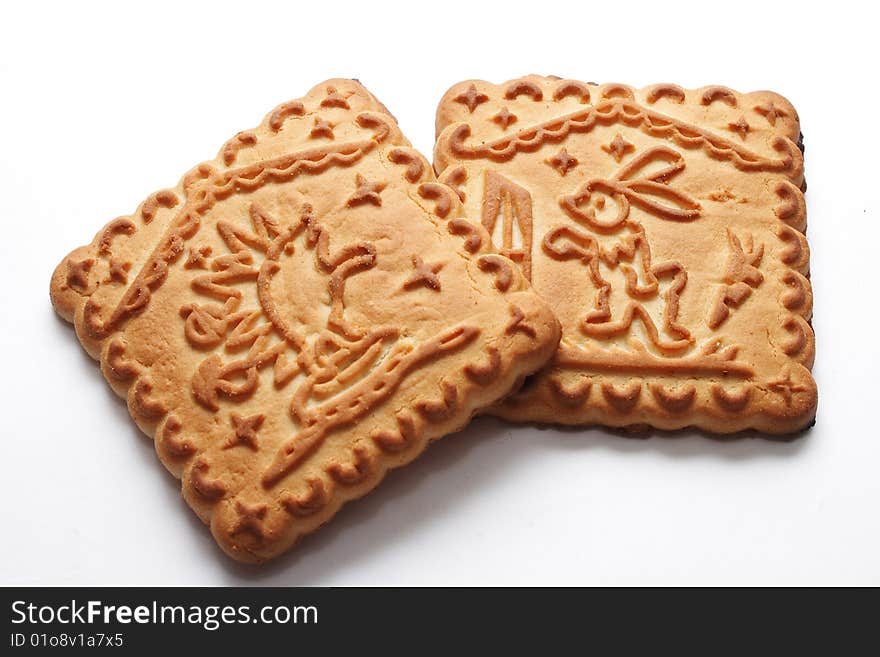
(300, 315)
(665, 226)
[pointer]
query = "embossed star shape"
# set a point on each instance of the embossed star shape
(334, 99)
(245, 430)
(740, 127)
(504, 118)
(786, 387)
(118, 271)
(562, 162)
(366, 192)
(250, 519)
(471, 98)
(618, 147)
(322, 128)
(770, 112)
(517, 322)
(198, 257)
(424, 274)
(78, 273)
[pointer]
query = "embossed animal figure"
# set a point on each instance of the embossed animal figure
(340, 370)
(615, 239)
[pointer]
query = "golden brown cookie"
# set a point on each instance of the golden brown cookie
(300, 315)
(665, 226)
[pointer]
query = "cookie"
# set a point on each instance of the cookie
(665, 226)
(300, 315)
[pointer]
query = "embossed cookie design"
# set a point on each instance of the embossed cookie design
(300, 315)
(666, 228)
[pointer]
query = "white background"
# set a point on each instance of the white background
(101, 105)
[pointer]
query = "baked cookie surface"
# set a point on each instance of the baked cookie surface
(665, 227)
(300, 315)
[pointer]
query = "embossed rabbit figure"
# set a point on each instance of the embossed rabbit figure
(616, 239)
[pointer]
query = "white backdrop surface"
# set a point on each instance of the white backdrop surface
(103, 104)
